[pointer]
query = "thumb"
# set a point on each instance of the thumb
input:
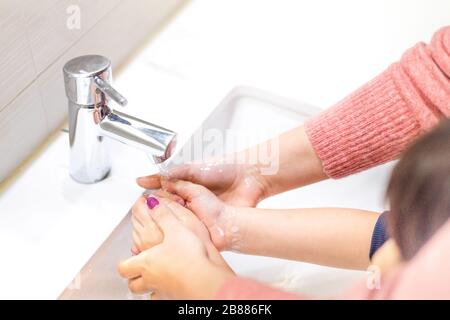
(130, 268)
(150, 182)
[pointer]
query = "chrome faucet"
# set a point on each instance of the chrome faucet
(92, 119)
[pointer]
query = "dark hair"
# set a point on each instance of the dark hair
(419, 191)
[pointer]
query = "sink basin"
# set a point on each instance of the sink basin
(272, 114)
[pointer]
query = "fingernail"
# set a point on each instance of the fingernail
(152, 202)
(134, 250)
(147, 193)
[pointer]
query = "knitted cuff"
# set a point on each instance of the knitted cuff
(369, 127)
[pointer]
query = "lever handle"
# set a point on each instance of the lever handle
(112, 93)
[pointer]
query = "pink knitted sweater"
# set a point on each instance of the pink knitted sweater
(374, 125)
(376, 122)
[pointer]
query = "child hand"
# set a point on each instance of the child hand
(217, 216)
(180, 266)
(147, 233)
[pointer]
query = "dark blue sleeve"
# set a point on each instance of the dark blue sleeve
(379, 235)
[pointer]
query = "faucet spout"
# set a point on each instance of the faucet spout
(156, 141)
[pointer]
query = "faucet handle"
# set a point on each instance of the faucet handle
(108, 90)
(85, 76)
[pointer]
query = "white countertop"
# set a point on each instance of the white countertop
(311, 51)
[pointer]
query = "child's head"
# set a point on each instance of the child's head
(419, 191)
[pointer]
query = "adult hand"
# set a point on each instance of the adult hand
(180, 267)
(235, 184)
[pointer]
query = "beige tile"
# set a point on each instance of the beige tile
(33, 8)
(126, 27)
(51, 87)
(139, 18)
(22, 127)
(48, 32)
(16, 63)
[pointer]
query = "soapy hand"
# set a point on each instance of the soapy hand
(146, 232)
(235, 184)
(215, 214)
(182, 266)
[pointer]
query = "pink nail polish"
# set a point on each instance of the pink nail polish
(152, 202)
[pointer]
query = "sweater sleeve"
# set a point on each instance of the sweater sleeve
(245, 289)
(377, 122)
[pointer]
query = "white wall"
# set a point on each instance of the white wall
(316, 51)
(35, 42)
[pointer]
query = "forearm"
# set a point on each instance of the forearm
(327, 236)
(372, 125)
(286, 162)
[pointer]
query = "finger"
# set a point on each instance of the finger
(164, 194)
(138, 285)
(185, 189)
(137, 226)
(131, 268)
(164, 217)
(183, 172)
(137, 241)
(141, 212)
(180, 212)
(150, 182)
(135, 250)
(151, 237)
(146, 232)
(196, 172)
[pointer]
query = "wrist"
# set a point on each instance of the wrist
(261, 175)
(242, 232)
(258, 172)
(234, 221)
(226, 225)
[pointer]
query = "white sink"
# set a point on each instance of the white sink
(261, 115)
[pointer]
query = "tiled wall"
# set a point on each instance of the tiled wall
(34, 45)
